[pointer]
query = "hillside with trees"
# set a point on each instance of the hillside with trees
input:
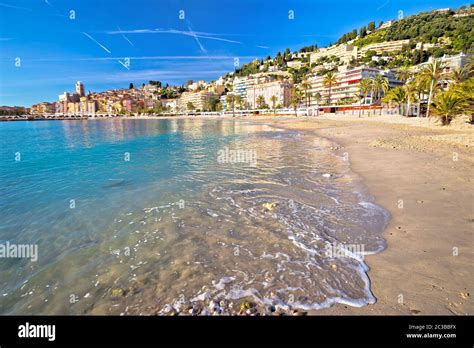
(455, 29)
(450, 31)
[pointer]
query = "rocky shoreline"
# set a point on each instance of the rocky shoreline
(225, 307)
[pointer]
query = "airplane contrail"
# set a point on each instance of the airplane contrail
(126, 38)
(201, 35)
(15, 7)
(97, 42)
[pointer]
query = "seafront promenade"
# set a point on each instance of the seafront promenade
(311, 111)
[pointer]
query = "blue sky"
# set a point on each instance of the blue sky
(56, 50)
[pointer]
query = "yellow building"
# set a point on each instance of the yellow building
(382, 47)
(73, 108)
(200, 100)
(43, 108)
(344, 52)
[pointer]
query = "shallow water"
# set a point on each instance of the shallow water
(175, 223)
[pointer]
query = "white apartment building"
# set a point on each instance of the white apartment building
(280, 89)
(241, 84)
(450, 62)
(347, 85)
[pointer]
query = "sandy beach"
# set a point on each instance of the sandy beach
(422, 174)
(418, 171)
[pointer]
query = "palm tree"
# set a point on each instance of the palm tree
(230, 100)
(403, 73)
(432, 73)
(464, 90)
(305, 85)
(295, 99)
(261, 101)
(241, 102)
(317, 98)
(329, 80)
(470, 64)
(206, 105)
(396, 95)
(459, 75)
(365, 88)
(238, 100)
(274, 99)
(421, 86)
(380, 86)
(411, 93)
(448, 105)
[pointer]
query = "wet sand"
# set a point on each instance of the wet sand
(422, 174)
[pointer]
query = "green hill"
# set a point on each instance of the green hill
(456, 28)
(451, 32)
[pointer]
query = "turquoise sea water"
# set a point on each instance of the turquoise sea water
(147, 207)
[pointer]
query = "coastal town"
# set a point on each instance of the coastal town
(360, 73)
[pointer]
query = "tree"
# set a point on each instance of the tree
(329, 80)
(131, 86)
(295, 98)
(238, 101)
(380, 86)
(371, 26)
(397, 96)
(273, 99)
(448, 105)
(403, 73)
(363, 32)
(420, 86)
(317, 97)
(411, 94)
(432, 73)
(190, 106)
(365, 88)
(464, 90)
(242, 103)
(306, 85)
(155, 83)
(459, 75)
(230, 100)
(261, 102)
(206, 105)
(213, 102)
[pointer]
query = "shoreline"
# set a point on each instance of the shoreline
(427, 265)
(408, 167)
